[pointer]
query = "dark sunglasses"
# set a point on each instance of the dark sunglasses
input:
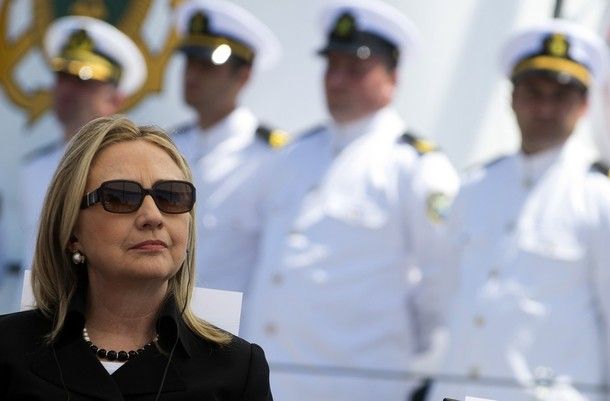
(123, 196)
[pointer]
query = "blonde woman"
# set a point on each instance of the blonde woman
(113, 276)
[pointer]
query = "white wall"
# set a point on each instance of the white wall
(453, 92)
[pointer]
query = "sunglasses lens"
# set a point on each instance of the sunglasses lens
(174, 196)
(121, 196)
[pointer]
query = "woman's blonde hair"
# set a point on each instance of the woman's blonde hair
(54, 277)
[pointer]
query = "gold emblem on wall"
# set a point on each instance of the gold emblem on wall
(128, 16)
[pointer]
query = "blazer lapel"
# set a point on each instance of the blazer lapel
(143, 375)
(82, 372)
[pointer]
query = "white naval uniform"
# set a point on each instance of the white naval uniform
(344, 227)
(228, 161)
(36, 176)
(534, 238)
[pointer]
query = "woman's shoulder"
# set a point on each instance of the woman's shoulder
(22, 331)
(242, 346)
(20, 326)
(236, 351)
(234, 347)
(32, 316)
(238, 365)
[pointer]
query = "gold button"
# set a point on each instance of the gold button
(277, 279)
(270, 329)
(314, 188)
(479, 321)
(474, 373)
(294, 231)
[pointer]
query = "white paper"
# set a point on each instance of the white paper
(219, 307)
(27, 294)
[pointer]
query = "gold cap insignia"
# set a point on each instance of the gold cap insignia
(557, 45)
(79, 40)
(198, 23)
(345, 26)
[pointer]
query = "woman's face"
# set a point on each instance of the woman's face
(145, 244)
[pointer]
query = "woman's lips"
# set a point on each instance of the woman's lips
(151, 245)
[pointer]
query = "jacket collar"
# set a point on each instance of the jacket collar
(385, 121)
(171, 328)
(233, 132)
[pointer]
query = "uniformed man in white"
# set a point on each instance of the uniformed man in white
(96, 67)
(531, 231)
(358, 207)
(227, 147)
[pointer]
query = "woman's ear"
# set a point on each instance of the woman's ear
(77, 256)
(72, 244)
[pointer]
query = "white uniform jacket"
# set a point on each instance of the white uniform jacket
(36, 175)
(330, 301)
(227, 161)
(533, 301)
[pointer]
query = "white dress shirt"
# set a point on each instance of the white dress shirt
(228, 162)
(532, 249)
(346, 223)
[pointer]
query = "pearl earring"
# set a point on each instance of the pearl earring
(78, 258)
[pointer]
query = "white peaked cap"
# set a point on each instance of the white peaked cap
(584, 48)
(108, 41)
(230, 21)
(377, 18)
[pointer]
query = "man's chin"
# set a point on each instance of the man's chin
(541, 144)
(192, 100)
(340, 111)
(65, 115)
(544, 131)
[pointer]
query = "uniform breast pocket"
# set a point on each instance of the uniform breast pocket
(229, 220)
(550, 263)
(362, 213)
(551, 243)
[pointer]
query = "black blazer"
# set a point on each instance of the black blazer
(199, 370)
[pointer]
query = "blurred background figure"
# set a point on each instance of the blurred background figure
(96, 67)
(228, 147)
(531, 312)
(357, 207)
(464, 108)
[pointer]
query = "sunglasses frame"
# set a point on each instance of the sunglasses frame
(97, 195)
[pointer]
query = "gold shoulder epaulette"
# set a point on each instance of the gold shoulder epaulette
(275, 138)
(422, 146)
(601, 167)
